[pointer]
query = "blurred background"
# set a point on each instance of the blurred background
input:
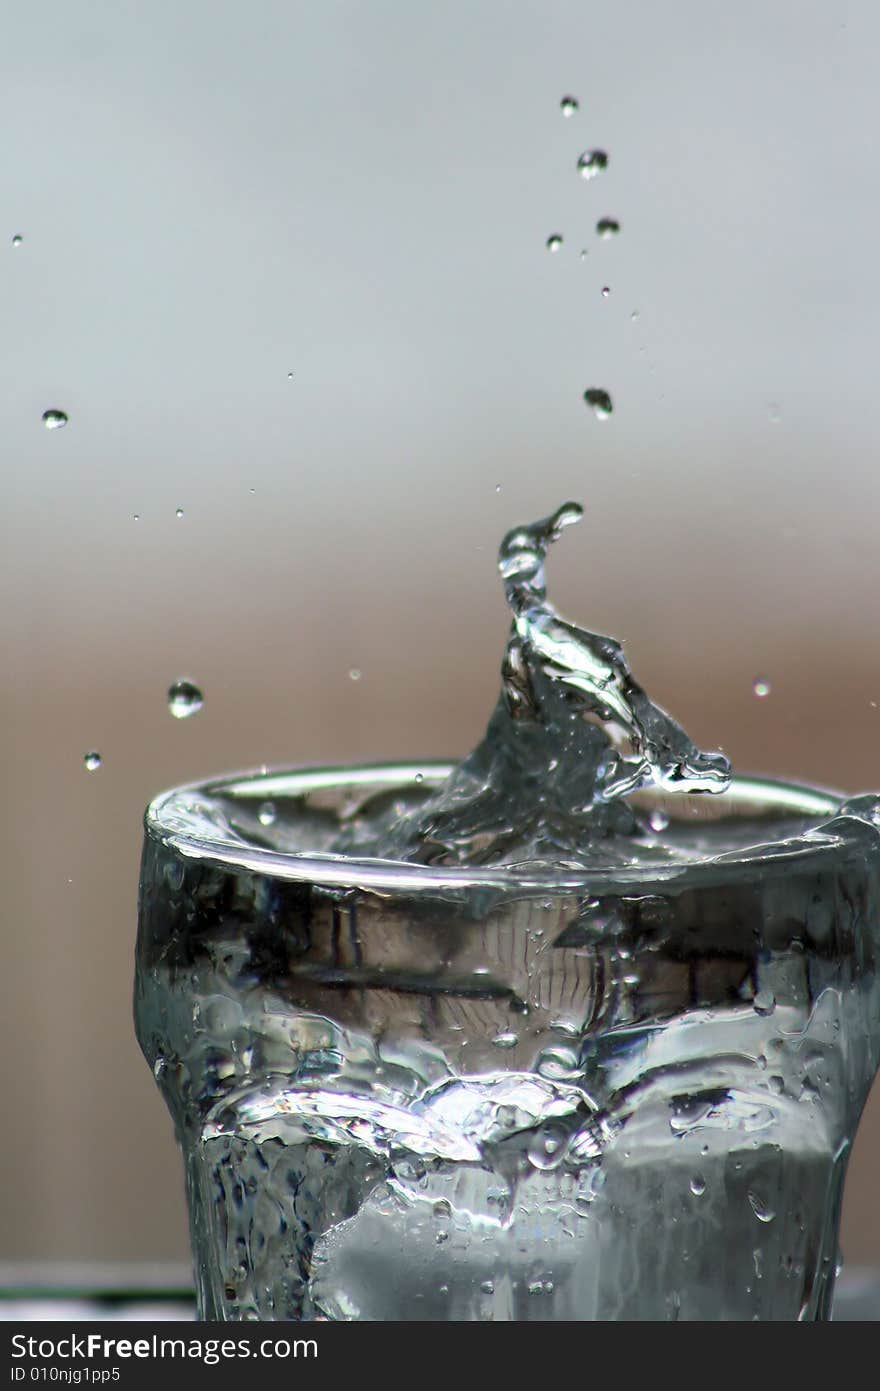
(284, 267)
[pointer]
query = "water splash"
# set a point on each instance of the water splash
(572, 734)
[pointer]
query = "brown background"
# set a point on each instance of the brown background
(212, 196)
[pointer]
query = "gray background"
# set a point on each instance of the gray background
(213, 195)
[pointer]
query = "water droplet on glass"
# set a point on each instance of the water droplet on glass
(634, 316)
(658, 821)
(762, 1210)
(606, 291)
(764, 1002)
(179, 513)
(599, 401)
(266, 813)
(761, 687)
(17, 239)
(184, 699)
(591, 163)
(135, 516)
(774, 412)
(420, 777)
(569, 105)
(607, 227)
(355, 674)
(487, 1286)
(290, 376)
(505, 1040)
(54, 420)
(441, 1237)
(92, 760)
(554, 242)
(498, 487)
(698, 1185)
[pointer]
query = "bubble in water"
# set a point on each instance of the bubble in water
(761, 687)
(599, 401)
(698, 1185)
(266, 813)
(762, 1210)
(591, 163)
(764, 1002)
(607, 227)
(554, 242)
(92, 760)
(184, 699)
(54, 420)
(179, 513)
(569, 105)
(355, 674)
(658, 821)
(17, 239)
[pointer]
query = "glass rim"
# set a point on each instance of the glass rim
(170, 818)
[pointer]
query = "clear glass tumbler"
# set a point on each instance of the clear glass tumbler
(410, 1092)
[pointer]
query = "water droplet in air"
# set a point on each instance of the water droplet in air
(698, 1185)
(554, 242)
(355, 674)
(92, 760)
(599, 402)
(54, 420)
(762, 1211)
(17, 239)
(607, 227)
(606, 291)
(591, 163)
(266, 813)
(179, 513)
(569, 105)
(761, 687)
(658, 821)
(764, 1002)
(184, 699)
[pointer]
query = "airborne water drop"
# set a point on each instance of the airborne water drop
(184, 699)
(599, 401)
(591, 163)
